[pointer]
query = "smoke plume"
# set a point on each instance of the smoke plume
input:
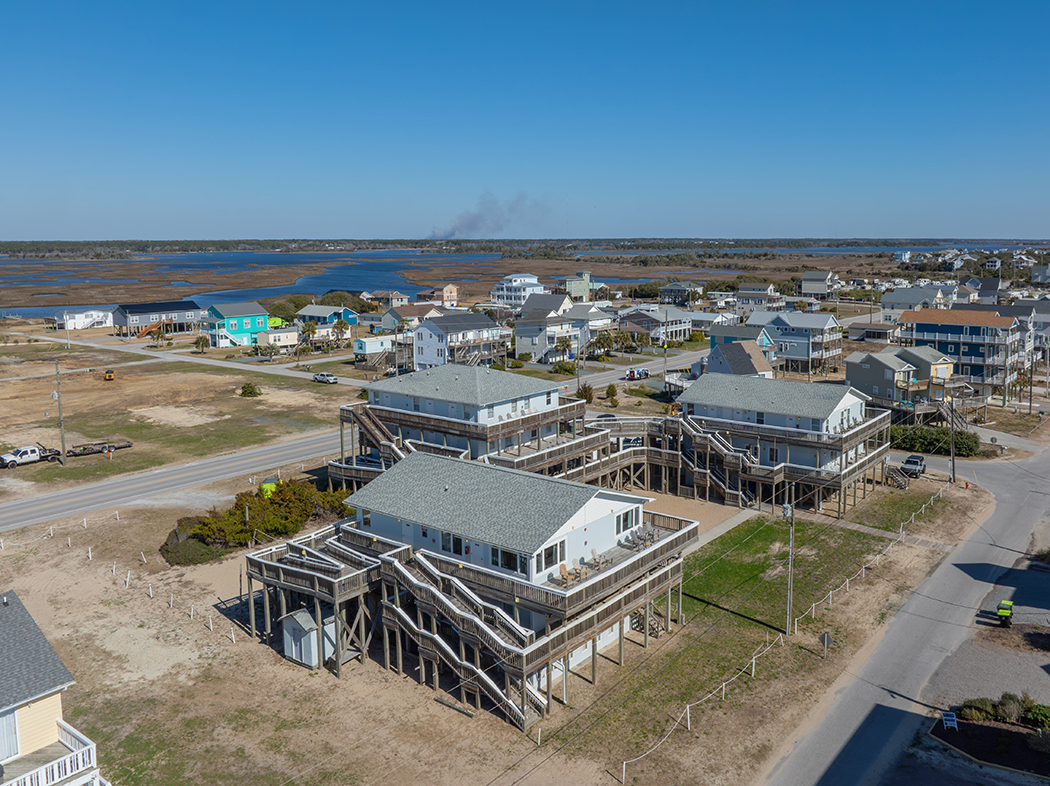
(490, 217)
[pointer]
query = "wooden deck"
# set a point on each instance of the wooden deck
(23, 765)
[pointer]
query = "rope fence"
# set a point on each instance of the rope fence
(684, 719)
(50, 531)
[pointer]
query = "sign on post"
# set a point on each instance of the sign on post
(825, 639)
(949, 720)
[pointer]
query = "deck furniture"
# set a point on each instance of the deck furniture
(599, 561)
(566, 579)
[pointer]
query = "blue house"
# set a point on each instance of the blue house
(327, 315)
(728, 334)
(985, 348)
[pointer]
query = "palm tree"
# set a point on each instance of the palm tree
(306, 333)
(339, 327)
(563, 346)
(202, 343)
(157, 335)
(604, 342)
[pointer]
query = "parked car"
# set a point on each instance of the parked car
(325, 377)
(913, 466)
(637, 373)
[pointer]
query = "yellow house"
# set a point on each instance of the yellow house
(37, 748)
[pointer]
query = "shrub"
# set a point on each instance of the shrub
(563, 367)
(182, 548)
(524, 357)
(585, 392)
(977, 709)
(1009, 708)
(517, 364)
(610, 392)
(613, 402)
(1039, 716)
(498, 366)
(250, 390)
(926, 439)
(282, 514)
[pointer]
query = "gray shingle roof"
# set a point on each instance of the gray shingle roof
(471, 385)
(911, 296)
(738, 332)
(816, 275)
(796, 319)
(743, 357)
(779, 396)
(453, 323)
(319, 311)
(30, 667)
(246, 309)
(929, 354)
(544, 302)
(508, 508)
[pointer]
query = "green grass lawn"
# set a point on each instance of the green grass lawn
(891, 506)
(735, 595)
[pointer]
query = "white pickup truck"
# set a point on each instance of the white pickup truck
(29, 455)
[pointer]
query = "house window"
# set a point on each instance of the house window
(415, 403)
(550, 556)
(495, 557)
(423, 532)
(951, 347)
(760, 418)
(366, 518)
(9, 747)
(233, 324)
(549, 396)
(816, 425)
(492, 412)
(508, 560)
(887, 373)
(133, 320)
(773, 453)
(441, 352)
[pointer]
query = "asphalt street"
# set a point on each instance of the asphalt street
(875, 714)
(112, 493)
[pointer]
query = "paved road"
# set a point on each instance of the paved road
(876, 713)
(112, 493)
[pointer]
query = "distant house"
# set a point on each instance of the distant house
(805, 342)
(235, 324)
(282, 338)
(703, 321)
(681, 293)
(988, 288)
(897, 301)
(818, 284)
(37, 747)
(659, 325)
(175, 316)
(727, 334)
(388, 299)
(514, 290)
(910, 380)
(1041, 274)
(758, 297)
(579, 286)
(721, 300)
(470, 339)
(409, 315)
(447, 296)
(742, 358)
(544, 302)
(549, 336)
(327, 315)
(83, 320)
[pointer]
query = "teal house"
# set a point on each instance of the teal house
(235, 324)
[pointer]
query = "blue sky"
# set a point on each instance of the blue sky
(563, 119)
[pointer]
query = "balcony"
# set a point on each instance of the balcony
(825, 439)
(515, 423)
(531, 458)
(956, 338)
(70, 760)
(627, 565)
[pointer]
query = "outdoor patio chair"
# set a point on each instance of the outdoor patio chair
(599, 561)
(566, 579)
(580, 569)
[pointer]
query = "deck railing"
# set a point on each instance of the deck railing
(80, 759)
(565, 602)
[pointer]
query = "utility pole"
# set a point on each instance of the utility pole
(65, 321)
(951, 425)
(61, 423)
(790, 510)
